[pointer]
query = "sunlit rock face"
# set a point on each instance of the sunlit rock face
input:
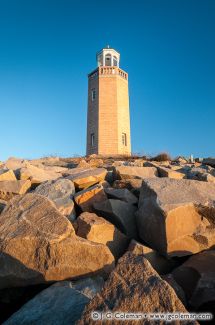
(61, 192)
(134, 285)
(86, 198)
(38, 244)
(97, 229)
(177, 217)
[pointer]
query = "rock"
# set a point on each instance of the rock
(177, 217)
(56, 169)
(124, 172)
(38, 244)
(110, 176)
(212, 172)
(9, 188)
(207, 178)
(94, 156)
(105, 184)
(83, 164)
(139, 162)
(132, 185)
(61, 192)
(177, 288)
(161, 264)
(197, 278)
(179, 168)
(15, 163)
(99, 230)
(121, 194)
(61, 303)
(12, 299)
(7, 175)
(50, 162)
(167, 172)
(118, 163)
(200, 174)
(151, 164)
(198, 159)
(86, 198)
(120, 213)
(134, 286)
(209, 161)
(180, 160)
(36, 175)
(84, 178)
(96, 162)
(2, 205)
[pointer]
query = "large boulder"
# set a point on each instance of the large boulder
(168, 172)
(61, 303)
(61, 192)
(133, 185)
(177, 217)
(120, 213)
(83, 164)
(7, 175)
(3, 204)
(139, 162)
(99, 230)
(122, 194)
(56, 169)
(36, 175)
(125, 172)
(197, 278)
(50, 162)
(209, 161)
(160, 263)
(152, 164)
(133, 286)
(95, 162)
(200, 174)
(178, 289)
(180, 160)
(86, 198)
(15, 163)
(10, 188)
(12, 299)
(38, 244)
(85, 177)
(212, 172)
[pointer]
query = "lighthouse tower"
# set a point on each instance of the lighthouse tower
(108, 119)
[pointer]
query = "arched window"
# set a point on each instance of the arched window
(115, 62)
(108, 59)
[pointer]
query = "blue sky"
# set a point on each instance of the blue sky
(48, 47)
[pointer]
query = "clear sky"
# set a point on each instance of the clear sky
(47, 48)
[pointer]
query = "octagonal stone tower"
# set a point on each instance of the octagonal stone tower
(108, 118)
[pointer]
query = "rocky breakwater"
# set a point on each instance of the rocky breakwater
(105, 234)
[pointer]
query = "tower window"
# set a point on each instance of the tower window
(115, 62)
(124, 139)
(108, 60)
(92, 139)
(93, 94)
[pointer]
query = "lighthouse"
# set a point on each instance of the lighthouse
(108, 117)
